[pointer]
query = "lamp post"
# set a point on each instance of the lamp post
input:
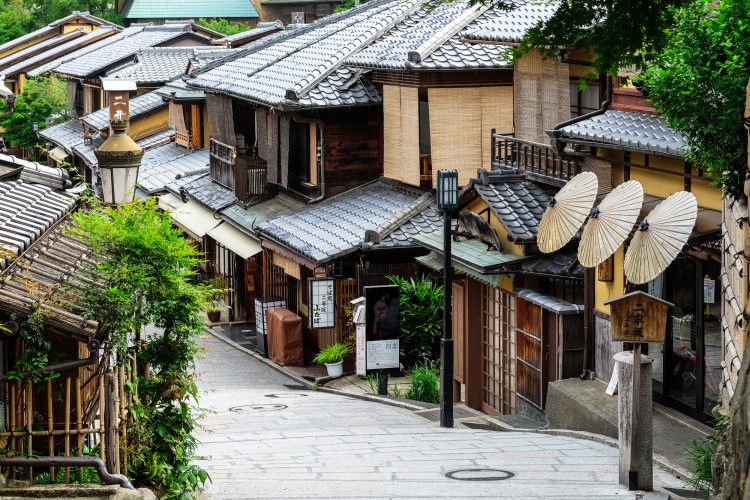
(35, 125)
(447, 201)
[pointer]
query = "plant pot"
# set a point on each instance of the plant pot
(214, 316)
(335, 370)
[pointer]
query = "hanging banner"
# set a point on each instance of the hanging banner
(321, 303)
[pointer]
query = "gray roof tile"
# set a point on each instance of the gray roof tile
(330, 229)
(27, 211)
(518, 205)
(208, 193)
(96, 46)
(628, 130)
(162, 165)
(439, 29)
(426, 221)
(563, 263)
(86, 151)
(93, 62)
(259, 30)
(509, 26)
(54, 53)
(34, 50)
(308, 61)
(162, 64)
(66, 135)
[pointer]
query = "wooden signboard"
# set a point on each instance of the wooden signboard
(638, 317)
(606, 270)
(119, 105)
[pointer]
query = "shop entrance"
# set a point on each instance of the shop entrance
(687, 367)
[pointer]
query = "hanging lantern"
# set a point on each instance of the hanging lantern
(119, 159)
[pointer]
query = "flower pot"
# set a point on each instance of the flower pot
(214, 316)
(335, 370)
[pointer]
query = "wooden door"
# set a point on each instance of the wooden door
(530, 356)
(498, 352)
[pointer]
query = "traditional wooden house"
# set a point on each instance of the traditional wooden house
(63, 36)
(631, 141)
(83, 68)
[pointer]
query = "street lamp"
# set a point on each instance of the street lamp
(447, 201)
(35, 125)
(119, 159)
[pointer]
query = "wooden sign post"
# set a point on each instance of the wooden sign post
(637, 317)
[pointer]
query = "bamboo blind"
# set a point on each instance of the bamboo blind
(542, 96)
(177, 118)
(461, 123)
(284, 123)
(288, 265)
(401, 134)
(221, 118)
(603, 171)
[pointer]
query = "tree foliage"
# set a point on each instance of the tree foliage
(223, 26)
(41, 98)
(143, 276)
(699, 83)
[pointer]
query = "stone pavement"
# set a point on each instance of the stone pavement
(268, 436)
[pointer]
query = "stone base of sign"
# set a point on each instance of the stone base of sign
(643, 437)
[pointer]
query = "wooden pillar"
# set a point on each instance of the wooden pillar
(473, 343)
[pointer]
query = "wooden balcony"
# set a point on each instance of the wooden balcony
(245, 174)
(540, 162)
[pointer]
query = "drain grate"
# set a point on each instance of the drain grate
(479, 475)
(296, 387)
(261, 407)
(291, 395)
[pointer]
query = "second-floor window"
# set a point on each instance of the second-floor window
(303, 152)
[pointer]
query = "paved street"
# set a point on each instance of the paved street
(266, 437)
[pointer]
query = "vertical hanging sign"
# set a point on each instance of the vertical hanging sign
(321, 313)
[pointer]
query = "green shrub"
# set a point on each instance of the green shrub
(425, 382)
(699, 455)
(332, 354)
(421, 322)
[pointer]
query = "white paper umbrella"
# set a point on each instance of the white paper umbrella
(610, 223)
(566, 212)
(660, 237)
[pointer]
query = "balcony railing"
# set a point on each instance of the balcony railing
(540, 162)
(245, 174)
(184, 139)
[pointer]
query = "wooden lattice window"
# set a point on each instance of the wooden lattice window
(499, 351)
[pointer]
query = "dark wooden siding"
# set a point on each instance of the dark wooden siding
(352, 148)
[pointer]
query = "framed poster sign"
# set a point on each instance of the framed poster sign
(321, 303)
(383, 326)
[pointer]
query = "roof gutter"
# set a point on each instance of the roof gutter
(556, 133)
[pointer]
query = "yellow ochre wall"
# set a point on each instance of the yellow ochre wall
(144, 126)
(654, 184)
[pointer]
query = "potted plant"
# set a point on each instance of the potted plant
(214, 305)
(333, 357)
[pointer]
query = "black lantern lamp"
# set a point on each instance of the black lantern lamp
(447, 201)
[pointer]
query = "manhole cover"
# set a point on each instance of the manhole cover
(258, 407)
(479, 475)
(291, 395)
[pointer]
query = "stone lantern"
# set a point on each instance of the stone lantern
(119, 158)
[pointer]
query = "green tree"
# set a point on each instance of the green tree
(15, 20)
(223, 26)
(143, 276)
(41, 98)
(699, 82)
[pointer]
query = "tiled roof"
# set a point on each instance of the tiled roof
(66, 135)
(509, 26)
(93, 62)
(518, 205)
(27, 211)
(177, 90)
(94, 47)
(426, 221)
(33, 281)
(181, 9)
(54, 27)
(563, 263)
(627, 130)
(161, 165)
(305, 67)
(558, 306)
(336, 227)
(247, 218)
(472, 253)
(208, 193)
(162, 64)
(430, 39)
(33, 50)
(139, 106)
(259, 30)
(58, 51)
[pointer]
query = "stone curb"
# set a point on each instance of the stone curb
(659, 460)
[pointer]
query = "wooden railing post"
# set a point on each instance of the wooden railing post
(111, 440)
